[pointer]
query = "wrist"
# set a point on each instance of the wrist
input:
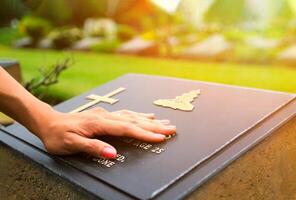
(41, 119)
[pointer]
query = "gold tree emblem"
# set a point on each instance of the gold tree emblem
(182, 102)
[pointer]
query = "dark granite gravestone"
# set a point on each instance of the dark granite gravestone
(226, 122)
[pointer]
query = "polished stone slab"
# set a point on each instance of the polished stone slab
(258, 174)
(224, 116)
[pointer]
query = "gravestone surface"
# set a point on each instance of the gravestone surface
(225, 122)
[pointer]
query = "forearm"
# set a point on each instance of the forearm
(19, 104)
(64, 134)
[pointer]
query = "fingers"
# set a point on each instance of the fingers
(135, 114)
(101, 111)
(72, 133)
(156, 126)
(119, 128)
(128, 123)
(93, 147)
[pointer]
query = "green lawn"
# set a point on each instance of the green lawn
(93, 69)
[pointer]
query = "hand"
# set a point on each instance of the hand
(72, 133)
(64, 134)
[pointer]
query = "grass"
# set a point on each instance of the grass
(93, 69)
(7, 35)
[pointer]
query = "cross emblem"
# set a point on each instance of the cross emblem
(97, 99)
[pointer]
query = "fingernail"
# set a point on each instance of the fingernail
(159, 136)
(165, 121)
(150, 114)
(171, 127)
(108, 152)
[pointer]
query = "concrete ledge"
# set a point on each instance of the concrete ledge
(268, 171)
(20, 178)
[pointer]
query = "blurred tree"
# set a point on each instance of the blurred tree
(56, 11)
(83, 9)
(284, 11)
(62, 12)
(225, 12)
(256, 13)
(292, 4)
(136, 12)
(34, 27)
(193, 11)
(10, 9)
(268, 10)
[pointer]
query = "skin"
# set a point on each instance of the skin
(64, 134)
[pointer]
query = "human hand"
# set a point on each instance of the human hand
(64, 134)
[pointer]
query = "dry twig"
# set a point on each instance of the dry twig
(49, 77)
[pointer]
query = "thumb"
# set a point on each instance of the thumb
(96, 148)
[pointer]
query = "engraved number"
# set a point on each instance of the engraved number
(157, 150)
(120, 158)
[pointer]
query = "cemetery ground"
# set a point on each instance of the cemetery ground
(93, 69)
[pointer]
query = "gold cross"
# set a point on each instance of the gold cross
(97, 99)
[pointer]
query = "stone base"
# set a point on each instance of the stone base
(268, 171)
(20, 178)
